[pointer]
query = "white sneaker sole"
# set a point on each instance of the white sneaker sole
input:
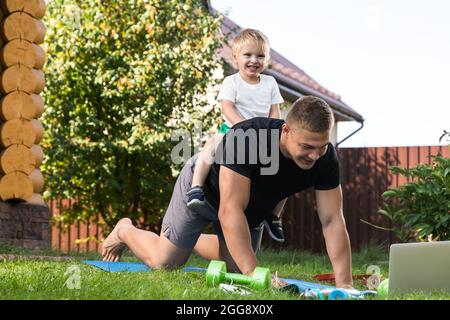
(195, 204)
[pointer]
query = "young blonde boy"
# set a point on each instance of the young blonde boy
(243, 95)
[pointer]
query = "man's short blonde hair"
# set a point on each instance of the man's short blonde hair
(251, 36)
(310, 113)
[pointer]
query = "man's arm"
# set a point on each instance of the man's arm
(230, 112)
(329, 207)
(234, 197)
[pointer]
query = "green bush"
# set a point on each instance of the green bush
(420, 209)
(121, 77)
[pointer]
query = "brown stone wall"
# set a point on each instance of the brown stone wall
(25, 225)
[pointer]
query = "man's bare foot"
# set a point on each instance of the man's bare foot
(112, 245)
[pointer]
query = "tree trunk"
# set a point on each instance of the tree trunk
(20, 105)
(2, 15)
(17, 157)
(36, 198)
(21, 25)
(38, 154)
(21, 81)
(38, 129)
(36, 8)
(17, 131)
(15, 185)
(38, 102)
(22, 52)
(37, 179)
(22, 78)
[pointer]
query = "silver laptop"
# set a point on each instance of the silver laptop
(423, 266)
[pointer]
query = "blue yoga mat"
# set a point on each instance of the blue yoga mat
(130, 266)
(293, 284)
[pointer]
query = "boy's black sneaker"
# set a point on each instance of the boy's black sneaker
(274, 228)
(196, 197)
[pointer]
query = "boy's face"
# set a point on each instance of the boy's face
(251, 61)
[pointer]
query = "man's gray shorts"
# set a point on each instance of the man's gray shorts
(183, 226)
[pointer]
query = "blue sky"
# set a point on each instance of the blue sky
(389, 60)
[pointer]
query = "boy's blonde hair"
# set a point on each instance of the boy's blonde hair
(251, 35)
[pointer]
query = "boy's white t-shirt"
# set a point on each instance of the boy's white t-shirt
(250, 100)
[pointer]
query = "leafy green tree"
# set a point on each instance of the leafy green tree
(121, 76)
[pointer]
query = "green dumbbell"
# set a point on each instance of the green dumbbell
(217, 273)
(383, 289)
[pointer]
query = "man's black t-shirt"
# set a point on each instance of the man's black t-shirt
(267, 190)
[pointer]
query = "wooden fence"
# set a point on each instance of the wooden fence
(365, 176)
(79, 237)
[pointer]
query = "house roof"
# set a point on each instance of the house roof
(293, 81)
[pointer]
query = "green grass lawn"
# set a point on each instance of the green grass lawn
(47, 279)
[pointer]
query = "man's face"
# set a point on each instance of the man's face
(305, 147)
